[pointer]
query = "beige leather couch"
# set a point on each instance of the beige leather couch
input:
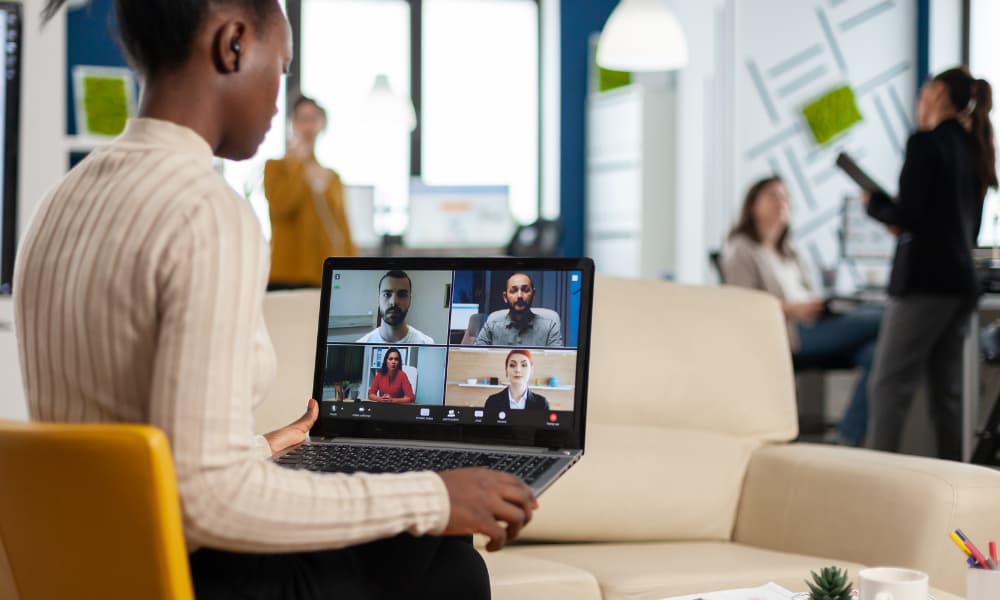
(689, 482)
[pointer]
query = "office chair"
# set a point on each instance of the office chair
(987, 451)
(809, 375)
(472, 331)
(540, 238)
(715, 258)
(91, 511)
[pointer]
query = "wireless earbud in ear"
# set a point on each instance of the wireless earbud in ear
(234, 45)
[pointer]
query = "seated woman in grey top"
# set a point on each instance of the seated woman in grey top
(758, 254)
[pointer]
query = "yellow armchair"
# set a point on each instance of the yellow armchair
(90, 511)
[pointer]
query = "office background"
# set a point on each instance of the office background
(710, 147)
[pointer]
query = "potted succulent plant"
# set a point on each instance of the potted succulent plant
(830, 584)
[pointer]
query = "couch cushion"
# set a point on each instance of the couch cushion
(691, 357)
(646, 483)
(522, 577)
(291, 318)
(657, 570)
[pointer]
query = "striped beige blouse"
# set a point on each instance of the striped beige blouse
(138, 298)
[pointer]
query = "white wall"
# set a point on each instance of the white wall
(697, 129)
(42, 160)
(733, 128)
(870, 48)
(432, 365)
(945, 35)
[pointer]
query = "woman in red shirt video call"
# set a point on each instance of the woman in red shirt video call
(390, 383)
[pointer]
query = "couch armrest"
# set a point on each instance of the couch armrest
(868, 507)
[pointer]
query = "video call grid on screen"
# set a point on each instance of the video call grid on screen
(460, 337)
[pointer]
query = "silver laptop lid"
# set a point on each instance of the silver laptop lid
(480, 351)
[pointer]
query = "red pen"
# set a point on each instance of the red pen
(972, 548)
(993, 552)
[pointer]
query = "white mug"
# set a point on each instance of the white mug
(892, 583)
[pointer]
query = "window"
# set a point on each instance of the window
(480, 97)
(345, 45)
(247, 176)
(471, 68)
(984, 61)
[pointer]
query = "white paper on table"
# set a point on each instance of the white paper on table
(771, 591)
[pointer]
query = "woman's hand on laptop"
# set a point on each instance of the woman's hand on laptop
(482, 499)
(293, 434)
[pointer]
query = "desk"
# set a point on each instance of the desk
(971, 362)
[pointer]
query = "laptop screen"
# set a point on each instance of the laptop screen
(456, 349)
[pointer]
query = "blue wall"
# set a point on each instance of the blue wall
(579, 19)
(923, 41)
(90, 40)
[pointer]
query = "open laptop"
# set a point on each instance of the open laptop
(491, 371)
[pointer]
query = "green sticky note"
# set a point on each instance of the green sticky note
(832, 114)
(608, 79)
(105, 104)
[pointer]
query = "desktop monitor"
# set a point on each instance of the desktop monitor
(10, 94)
(862, 236)
(989, 229)
(360, 207)
(469, 216)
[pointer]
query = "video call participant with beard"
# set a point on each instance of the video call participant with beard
(519, 325)
(394, 295)
(518, 366)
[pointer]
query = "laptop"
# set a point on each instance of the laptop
(443, 363)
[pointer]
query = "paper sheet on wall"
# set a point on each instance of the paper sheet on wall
(771, 591)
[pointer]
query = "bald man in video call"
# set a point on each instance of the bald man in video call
(518, 325)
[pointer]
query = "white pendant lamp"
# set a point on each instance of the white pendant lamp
(385, 106)
(642, 35)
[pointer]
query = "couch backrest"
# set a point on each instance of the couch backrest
(690, 357)
(662, 354)
(291, 318)
(685, 383)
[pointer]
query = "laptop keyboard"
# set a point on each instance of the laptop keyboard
(333, 458)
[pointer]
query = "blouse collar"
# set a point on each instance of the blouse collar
(156, 132)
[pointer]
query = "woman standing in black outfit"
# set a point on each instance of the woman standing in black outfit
(949, 166)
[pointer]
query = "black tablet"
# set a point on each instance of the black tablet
(851, 168)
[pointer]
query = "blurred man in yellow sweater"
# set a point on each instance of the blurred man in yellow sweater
(306, 201)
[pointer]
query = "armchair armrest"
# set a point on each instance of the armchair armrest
(868, 507)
